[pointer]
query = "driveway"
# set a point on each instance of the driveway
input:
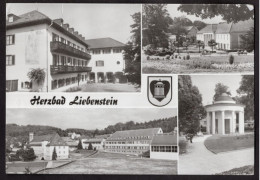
(199, 160)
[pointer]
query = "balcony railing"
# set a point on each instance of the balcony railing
(68, 69)
(60, 47)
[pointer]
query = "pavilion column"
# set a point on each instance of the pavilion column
(241, 122)
(96, 77)
(223, 122)
(213, 122)
(232, 122)
(208, 123)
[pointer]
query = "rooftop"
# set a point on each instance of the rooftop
(210, 28)
(224, 97)
(53, 139)
(141, 133)
(103, 43)
(164, 139)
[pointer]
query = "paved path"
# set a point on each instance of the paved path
(199, 160)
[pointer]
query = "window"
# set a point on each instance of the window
(99, 63)
(10, 39)
(10, 60)
(116, 50)
(97, 51)
(106, 51)
(55, 59)
(63, 60)
(63, 40)
(55, 37)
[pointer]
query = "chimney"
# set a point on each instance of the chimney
(58, 21)
(30, 136)
(66, 26)
(12, 17)
(71, 30)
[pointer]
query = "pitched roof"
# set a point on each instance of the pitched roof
(53, 139)
(92, 140)
(103, 43)
(69, 141)
(224, 27)
(36, 17)
(164, 139)
(242, 26)
(188, 28)
(210, 28)
(145, 133)
(224, 97)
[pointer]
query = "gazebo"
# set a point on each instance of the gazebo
(225, 116)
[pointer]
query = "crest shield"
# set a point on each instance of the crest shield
(159, 90)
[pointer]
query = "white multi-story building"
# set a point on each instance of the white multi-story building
(107, 60)
(33, 41)
(44, 146)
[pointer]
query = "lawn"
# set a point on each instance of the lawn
(225, 143)
(245, 170)
(110, 87)
(19, 167)
(111, 163)
(199, 64)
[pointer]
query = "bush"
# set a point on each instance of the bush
(231, 59)
(184, 58)
(148, 58)
(74, 89)
(188, 57)
(146, 154)
(167, 57)
(183, 146)
(179, 57)
(176, 56)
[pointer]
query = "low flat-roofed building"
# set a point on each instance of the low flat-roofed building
(164, 146)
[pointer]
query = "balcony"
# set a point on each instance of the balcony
(69, 69)
(59, 47)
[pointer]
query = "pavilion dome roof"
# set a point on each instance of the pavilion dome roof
(224, 97)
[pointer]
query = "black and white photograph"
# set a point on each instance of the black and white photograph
(197, 38)
(73, 47)
(216, 124)
(91, 141)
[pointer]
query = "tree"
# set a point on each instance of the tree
(37, 75)
(220, 89)
(228, 12)
(248, 40)
(27, 170)
(90, 147)
(54, 154)
(80, 145)
(212, 43)
(191, 110)
(199, 24)
(26, 154)
(132, 51)
(200, 44)
(96, 132)
(246, 92)
(182, 21)
(156, 21)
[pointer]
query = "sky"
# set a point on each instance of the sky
(90, 20)
(206, 85)
(173, 11)
(84, 118)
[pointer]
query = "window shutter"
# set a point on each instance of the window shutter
(13, 39)
(13, 60)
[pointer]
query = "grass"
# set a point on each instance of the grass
(111, 163)
(225, 143)
(19, 167)
(110, 87)
(245, 170)
(199, 64)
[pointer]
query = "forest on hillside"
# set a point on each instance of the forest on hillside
(20, 133)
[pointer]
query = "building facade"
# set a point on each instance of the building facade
(44, 146)
(97, 143)
(131, 141)
(164, 146)
(226, 35)
(225, 116)
(33, 41)
(107, 60)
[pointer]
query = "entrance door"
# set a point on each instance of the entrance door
(11, 85)
(227, 126)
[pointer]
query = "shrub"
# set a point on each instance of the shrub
(183, 146)
(148, 58)
(188, 57)
(231, 59)
(74, 89)
(167, 57)
(172, 57)
(176, 56)
(179, 57)
(184, 58)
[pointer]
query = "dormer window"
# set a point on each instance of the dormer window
(11, 19)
